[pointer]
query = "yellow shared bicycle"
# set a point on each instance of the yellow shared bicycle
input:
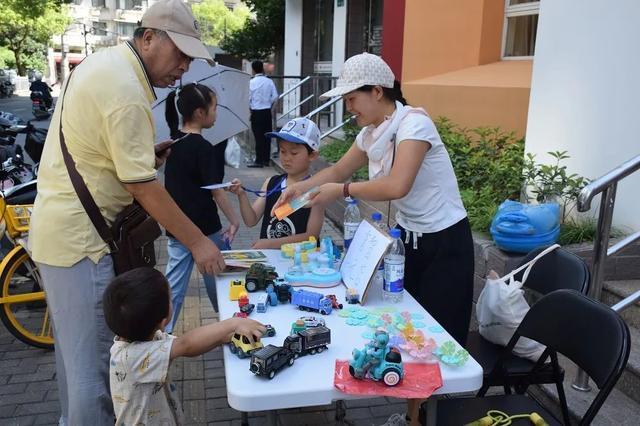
(23, 308)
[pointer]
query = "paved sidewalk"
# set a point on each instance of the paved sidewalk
(28, 393)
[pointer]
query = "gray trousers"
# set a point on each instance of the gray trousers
(82, 340)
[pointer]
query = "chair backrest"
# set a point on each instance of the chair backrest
(587, 332)
(559, 269)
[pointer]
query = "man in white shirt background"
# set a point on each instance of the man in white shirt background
(262, 95)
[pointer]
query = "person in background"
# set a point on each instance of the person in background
(262, 96)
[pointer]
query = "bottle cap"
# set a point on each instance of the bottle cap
(352, 200)
(395, 233)
(376, 216)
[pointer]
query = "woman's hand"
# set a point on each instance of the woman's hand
(236, 187)
(329, 192)
(292, 191)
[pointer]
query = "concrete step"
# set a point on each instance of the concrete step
(615, 291)
(619, 409)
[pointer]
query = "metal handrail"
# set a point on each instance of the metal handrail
(291, 89)
(600, 184)
(323, 106)
(339, 126)
(607, 185)
(307, 99)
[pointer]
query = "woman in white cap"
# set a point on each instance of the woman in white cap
(410, 167)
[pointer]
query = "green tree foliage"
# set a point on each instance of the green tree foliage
(217, 20)
(262, 36)
(26, 26)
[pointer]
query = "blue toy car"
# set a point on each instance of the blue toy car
(311, 301)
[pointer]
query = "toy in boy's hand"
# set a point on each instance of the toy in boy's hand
(243, 346)
(236, 287)
(378, 361)
(351, 296)
(259, 276)
(311, 301)
(241, 314)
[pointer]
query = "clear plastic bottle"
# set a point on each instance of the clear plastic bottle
(351, 222)
(378, 277)
(393, 288)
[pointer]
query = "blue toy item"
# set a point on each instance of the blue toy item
(319, 277)
(520, 228)
(311, 301)
(378, 361)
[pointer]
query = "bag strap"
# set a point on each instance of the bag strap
(529, 265)
(87, 201)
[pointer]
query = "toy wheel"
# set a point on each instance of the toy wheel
(291, 360)
(323, 312)
(233, 348)
(313, 351)
(241, 353)
(320, 349)
(391, 377)
(296, 355)
(352, 371)
(272, 374)
(251, 286)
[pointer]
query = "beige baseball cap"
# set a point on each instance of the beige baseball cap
(175, 18)
(360, 70)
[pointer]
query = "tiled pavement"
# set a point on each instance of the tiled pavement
(28, 393)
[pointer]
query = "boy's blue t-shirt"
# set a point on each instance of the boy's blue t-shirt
(295, 223)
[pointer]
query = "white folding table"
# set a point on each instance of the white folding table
(309, 382)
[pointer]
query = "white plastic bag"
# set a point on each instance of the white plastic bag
(232, 153)
(502, 306)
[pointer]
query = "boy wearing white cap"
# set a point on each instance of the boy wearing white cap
(298, 143)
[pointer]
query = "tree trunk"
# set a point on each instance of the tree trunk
(17, 53)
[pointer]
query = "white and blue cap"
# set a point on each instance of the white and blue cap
(299, 130)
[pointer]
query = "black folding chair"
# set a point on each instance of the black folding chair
(559, 269)
(587, 332)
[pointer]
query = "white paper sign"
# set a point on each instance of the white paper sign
(367, 248)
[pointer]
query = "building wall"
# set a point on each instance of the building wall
(585, 90)
(451, 64)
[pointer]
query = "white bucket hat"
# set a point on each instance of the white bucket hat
(362, 70)
(299, 130)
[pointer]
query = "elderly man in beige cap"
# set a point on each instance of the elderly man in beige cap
(109, 132)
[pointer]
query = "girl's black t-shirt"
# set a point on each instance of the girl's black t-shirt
(295, 223)
(194, 163)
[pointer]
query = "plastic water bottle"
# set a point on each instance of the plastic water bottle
(378, 277)
(393, 288)
(351, 221)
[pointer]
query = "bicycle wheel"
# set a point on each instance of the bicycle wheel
(23, 308)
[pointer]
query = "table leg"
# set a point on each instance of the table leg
(244, 418)
(432, 408)
(272, 418)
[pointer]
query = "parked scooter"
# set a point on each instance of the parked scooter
(6, 89)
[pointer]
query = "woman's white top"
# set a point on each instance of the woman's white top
(434, 202)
